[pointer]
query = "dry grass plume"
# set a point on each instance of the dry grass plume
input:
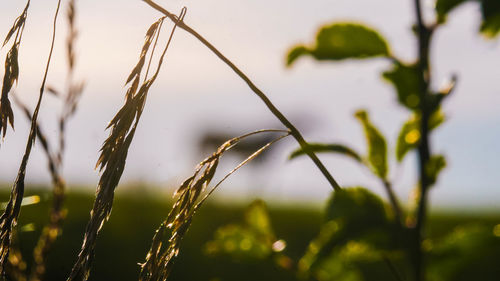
(161, 256)
(115, 148)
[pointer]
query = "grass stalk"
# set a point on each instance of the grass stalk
(11, 74)
(57, 213)
(293, 130)
(160, 259)
(114, 152)
(8, 220)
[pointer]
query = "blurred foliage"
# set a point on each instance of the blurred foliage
(360, 240)
(252, 240)
(376, 159)
(341, 41)
(377, 146)
(404, 77)
(126, 239)
(470, 252)
(409, 136)
(435, 165)
(491, 17)
(329, 148)
(357, 261)
(490, 10)
(443, 7)
(356, 242)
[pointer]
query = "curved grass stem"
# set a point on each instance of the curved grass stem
(293, 130)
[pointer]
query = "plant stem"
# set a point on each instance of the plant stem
(9, 218)
(293, 130)
(398, 213)
(424, 37)
(56, 217)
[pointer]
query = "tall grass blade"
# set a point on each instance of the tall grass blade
(8, 220)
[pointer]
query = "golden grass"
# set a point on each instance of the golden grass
(115, 149)
(161, 256)
(11, 70)
(8, 220)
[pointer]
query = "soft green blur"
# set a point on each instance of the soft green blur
(127, 236)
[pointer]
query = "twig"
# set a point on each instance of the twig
(293, 131)
(424, 36)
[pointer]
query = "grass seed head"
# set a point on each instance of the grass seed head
(160, 258)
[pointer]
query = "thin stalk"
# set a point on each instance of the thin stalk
(243, 163)
(160, 258)
(393, 199)
(293, 130)
(51, 231)
(153, 51)
(9, 218)
(424, 36)
(398, 213)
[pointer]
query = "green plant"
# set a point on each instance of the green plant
(360, 240)
(412, 82)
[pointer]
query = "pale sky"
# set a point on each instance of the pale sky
(196, 93)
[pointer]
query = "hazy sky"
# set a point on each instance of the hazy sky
(197, 93)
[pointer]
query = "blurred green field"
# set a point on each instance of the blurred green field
(126, 238)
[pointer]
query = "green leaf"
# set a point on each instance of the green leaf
(295, 53)
(356, 205)
(435, 165)
(404, 78)
(320, 247)
(257, 218)
(354, 216)
(360, 261)
(341, 41)
(377, 147)
(443, 7)
(330, 148)
(409, 136)
(252, 240)
(491, 17)
(239, 242)
(490, 10)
